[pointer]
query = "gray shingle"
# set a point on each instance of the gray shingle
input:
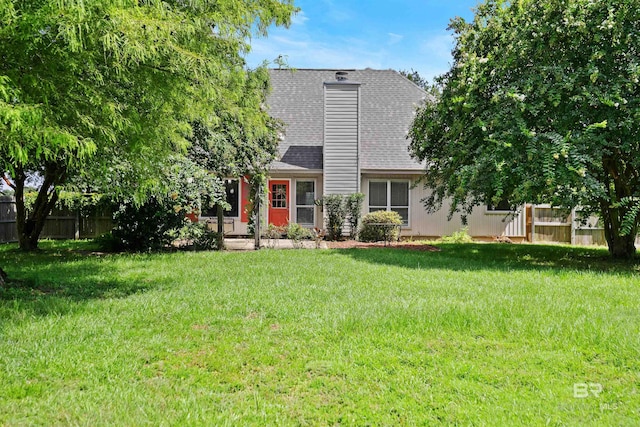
(388, 103)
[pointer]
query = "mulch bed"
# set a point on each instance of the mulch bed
(411, 246)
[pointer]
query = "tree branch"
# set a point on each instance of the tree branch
(8, 182)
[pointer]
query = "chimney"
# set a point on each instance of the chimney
(341, 135)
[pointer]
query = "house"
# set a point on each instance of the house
(346, 132)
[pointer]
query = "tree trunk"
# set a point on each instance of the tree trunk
(620, 246)
(30, 225)
(619, 181)
(623, 247)
(220, 237)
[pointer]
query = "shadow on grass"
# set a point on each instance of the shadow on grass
(503, 257)
(59, 279)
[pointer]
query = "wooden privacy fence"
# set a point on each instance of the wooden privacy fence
(551, 224)
(61, 224)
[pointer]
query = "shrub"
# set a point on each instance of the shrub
(461, 236)
(201, 236)
(273, 234)
(336, 211)
(108, 243)
(380, 226)
(297, 234)
(150, 226)
(354, 208)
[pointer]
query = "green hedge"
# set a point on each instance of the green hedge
(380, 226)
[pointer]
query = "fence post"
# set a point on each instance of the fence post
(533, 223)
(573, 226)
(76, 226)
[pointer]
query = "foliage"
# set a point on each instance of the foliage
(354, 210)
(541, 105)
(72, 201)
(149, 226)
(246, 142)
(107, 242)
(355, 333)
(297, 234)
(335, 209)
(380, 226)
(273, 233)
(191, 187)
(431, 88)
(258, 192)
(101, 93)
(460, 236)
(200, 236)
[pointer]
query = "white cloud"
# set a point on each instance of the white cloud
(337, 13)
(438, 45)
(306, 53)
(394, 38)
(299, 18)
(429, 54)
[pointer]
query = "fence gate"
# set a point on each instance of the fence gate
(552, 224)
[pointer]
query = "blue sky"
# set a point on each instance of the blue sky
(381, 34)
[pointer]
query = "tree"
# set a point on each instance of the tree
(106, 90)
(244, 144)
(541, 105)
(422, 82)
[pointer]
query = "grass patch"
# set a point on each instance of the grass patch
(477, 334)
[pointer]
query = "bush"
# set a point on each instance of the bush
(273, 233)
(297, 234)
(108, 243)
(461, 236)
(336, 211)
(354, 208)
(380, 226)
(150, 226)
(201, 236)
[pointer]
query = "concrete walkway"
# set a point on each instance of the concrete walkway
(232, 244)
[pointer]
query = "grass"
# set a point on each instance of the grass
(477, 334)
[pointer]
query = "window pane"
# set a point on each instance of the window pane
(231, 189)
(305, 193)
(304, 216)
(504, 205)
(404, 214)
(399, 194)
(377, 209)
(377, 193)
(278, 195)
(233, 198)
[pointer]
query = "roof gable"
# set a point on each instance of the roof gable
(387, 107)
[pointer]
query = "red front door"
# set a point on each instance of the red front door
(279, 196)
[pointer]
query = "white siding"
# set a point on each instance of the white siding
(341, 138)
(480, 223)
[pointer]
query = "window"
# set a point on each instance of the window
(502, 206)
(390, 196)
(232, 191)
(305, 202)
(279, 195)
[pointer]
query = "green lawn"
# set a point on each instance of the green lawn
(477, 334)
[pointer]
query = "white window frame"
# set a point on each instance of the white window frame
(295, 199)
(388, 206)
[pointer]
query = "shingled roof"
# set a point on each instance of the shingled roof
(388, 102)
